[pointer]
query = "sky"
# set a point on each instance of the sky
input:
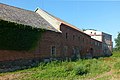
(99, 15)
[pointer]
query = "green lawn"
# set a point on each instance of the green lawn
(107, 68)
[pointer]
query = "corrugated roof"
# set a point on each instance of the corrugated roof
(22, 16)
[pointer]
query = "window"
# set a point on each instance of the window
(95, 33)
(91, 42)
(76, 50)
(86, 41)
(98, 44)
(95, 43)
(73, 37)
(53, 51)
(65, 50)
(79, 38)
(73, 50)
(66, 35)
(83, 40)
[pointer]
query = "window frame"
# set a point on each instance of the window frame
(53, 54)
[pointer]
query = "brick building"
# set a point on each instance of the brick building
(74, 38)
(105, 38)
(60, 40)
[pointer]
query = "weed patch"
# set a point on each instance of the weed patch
(117, 66)
(81, 70)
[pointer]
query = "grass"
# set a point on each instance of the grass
(81, 69)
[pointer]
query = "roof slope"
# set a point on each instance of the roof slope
(57, 20)
(22, 16)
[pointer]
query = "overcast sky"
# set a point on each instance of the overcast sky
(100, 15)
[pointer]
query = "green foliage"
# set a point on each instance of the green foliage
(80, 70)
(70, 70)
(92, 66)
(117, 41)
(117, 65)
(15, 36)
(86, 69)
(69, 67)
(65, 70)
(98, 67)
(116, 54)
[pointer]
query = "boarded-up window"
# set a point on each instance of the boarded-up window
(65, 48)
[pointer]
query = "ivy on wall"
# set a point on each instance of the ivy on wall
(15, 36)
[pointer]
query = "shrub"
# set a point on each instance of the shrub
(81, 70)
(69, 67)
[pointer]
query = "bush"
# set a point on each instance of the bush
(81, 70)
(69, 67)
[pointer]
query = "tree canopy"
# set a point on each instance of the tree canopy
(117, 41)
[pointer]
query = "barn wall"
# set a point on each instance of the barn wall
(76, 43)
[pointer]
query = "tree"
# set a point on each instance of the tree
(117, 41)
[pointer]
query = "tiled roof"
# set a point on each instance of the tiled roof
(22, 16)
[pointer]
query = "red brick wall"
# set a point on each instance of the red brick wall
(6, 55)
(77, 41)
(59, 40)
(43, 49)
(49, 38)
(97, 48)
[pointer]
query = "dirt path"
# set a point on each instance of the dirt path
(15, 76)
(9, 77)
(105, 74)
